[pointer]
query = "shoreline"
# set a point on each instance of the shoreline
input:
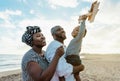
(97, 68)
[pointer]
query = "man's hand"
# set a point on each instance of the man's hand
(78, 68)
(60, 51)
(81, 67)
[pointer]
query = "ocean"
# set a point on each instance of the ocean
(10, 62)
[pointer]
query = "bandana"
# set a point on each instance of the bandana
(28, 35)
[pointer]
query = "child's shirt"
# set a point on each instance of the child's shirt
(74, 46)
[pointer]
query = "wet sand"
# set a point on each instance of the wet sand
(97, 68)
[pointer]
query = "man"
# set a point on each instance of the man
(35, 67)
(63, 69)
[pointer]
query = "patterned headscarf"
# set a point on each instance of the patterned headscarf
(28, 35)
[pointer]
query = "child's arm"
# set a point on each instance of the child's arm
(81, 28)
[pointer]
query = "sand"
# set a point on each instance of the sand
(14, 75)
(101, 68)
(97, 68)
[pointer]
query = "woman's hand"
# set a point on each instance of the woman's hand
(60, 51)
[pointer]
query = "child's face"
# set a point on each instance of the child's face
(75, 31)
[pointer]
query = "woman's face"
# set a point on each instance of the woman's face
(39, 39)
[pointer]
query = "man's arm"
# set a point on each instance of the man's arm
(36, 72)
(77, 69)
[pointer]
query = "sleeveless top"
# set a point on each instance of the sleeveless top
(31, 55)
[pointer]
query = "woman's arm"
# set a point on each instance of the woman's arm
(36, 72)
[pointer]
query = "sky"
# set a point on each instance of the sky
(102, 35)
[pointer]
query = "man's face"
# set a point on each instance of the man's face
(60, 33)
(39, 39)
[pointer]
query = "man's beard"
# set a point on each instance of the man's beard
(61, 37)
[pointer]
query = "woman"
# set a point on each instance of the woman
(34, 65)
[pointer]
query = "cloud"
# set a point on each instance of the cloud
(92, 0)
(6, 17)
(102, 36)
(7, 13)
(7, 24)
(32, 12)
(10, 12)
(102, 40)
(23, 1)
(63, 3)
(109, 12)
(10, 42)
(8, 45)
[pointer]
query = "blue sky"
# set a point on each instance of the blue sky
(15, 15)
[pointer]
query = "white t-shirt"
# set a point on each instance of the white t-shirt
(63, 68)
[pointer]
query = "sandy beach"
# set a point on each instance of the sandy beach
(97, 68)
(14, 75)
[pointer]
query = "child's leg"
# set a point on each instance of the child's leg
(61, 78)
(77, 77)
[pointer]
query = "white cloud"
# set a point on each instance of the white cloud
(102, 40)
(6, 18)
(53, 7)
(32, 11)
(7, 13)
(109, 12)
(10, 43)
(103, 33)
(92, 0)
(84, 10)
(7, 24)
(102, 37)
(24, 1)
(11, 12)
(63, 3)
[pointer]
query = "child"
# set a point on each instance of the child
(74, 47)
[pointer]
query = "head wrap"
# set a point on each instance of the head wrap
(28, 35)
(54, 29)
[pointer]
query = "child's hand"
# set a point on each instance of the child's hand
(82, 17)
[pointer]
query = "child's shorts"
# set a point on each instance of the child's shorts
(73, 59)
